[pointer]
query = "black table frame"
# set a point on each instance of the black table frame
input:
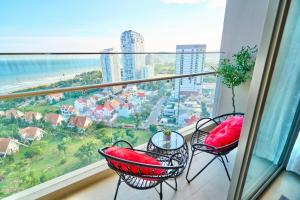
(183, 150)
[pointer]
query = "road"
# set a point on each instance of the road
(152, 119)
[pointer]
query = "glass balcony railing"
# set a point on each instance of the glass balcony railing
(57, 110)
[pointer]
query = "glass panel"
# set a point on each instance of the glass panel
(279, 112)
(58, 133)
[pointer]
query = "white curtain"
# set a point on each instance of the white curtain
(294, 162)
(283, 97)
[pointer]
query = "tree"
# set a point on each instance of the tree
(153, 128)
(145, 114)
(137, 119)
(129, 133)
(100, 102)
(118, 135)
(86, 153)
(28, 179)
(43, 178)
(239, 71)
(62, 147)
(32, 151)
(22, 164)
(104, 135)
(100, 125)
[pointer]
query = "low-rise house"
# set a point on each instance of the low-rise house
(135, 100)
(53, 119)
(125, 96)
(54, 97)
(101, 112)
(67, 110)
(80, 122)
(94, 99)
(14, 113)
(8, 146)
(30, 116)
(82, 105)
(141, 94)
(109, 107)
(31, 133)
(115, 104)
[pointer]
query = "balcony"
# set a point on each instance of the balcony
(210, 185)
(57, 110)
(51, 135)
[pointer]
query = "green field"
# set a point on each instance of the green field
(125, 120)
(42, 108)
(20, 172)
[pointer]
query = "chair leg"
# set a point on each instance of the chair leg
(225, 168)
(171, 186)
(226, 158)
(160, 192)
(116, 193)
(190, 180)
(175, 184)
(190, 163)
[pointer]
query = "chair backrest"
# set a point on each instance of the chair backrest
(169, 166)
(217, 120)
(222, 118)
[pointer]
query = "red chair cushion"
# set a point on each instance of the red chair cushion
(131, 155)
(225, 133)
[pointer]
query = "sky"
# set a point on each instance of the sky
(93, 25)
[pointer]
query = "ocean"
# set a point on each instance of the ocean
(20, 72)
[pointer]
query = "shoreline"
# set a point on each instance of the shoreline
(7, 89)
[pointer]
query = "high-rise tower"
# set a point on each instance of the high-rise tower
(132, 42)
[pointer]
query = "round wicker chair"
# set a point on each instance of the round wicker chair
(198, 146)
(133, 174)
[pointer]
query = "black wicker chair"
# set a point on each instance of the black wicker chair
(198, 146)
(170, 167)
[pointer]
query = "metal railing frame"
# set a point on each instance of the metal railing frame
(97, 86)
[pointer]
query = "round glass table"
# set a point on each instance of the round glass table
(175, 143)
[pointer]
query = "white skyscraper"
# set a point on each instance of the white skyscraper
(132, 63)
(188, 64)
(110, 66)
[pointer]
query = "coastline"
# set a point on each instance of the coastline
(30, 84)
(10, 88)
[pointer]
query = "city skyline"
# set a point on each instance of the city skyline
(55, 26)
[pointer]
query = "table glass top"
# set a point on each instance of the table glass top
(174, 141)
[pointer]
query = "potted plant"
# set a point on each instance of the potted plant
(238, 70)
(167, 134)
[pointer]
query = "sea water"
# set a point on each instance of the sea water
(20, 72)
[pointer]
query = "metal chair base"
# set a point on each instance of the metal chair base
(160, 193)
(220, 158)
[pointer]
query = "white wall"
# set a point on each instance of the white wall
(243, 25)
